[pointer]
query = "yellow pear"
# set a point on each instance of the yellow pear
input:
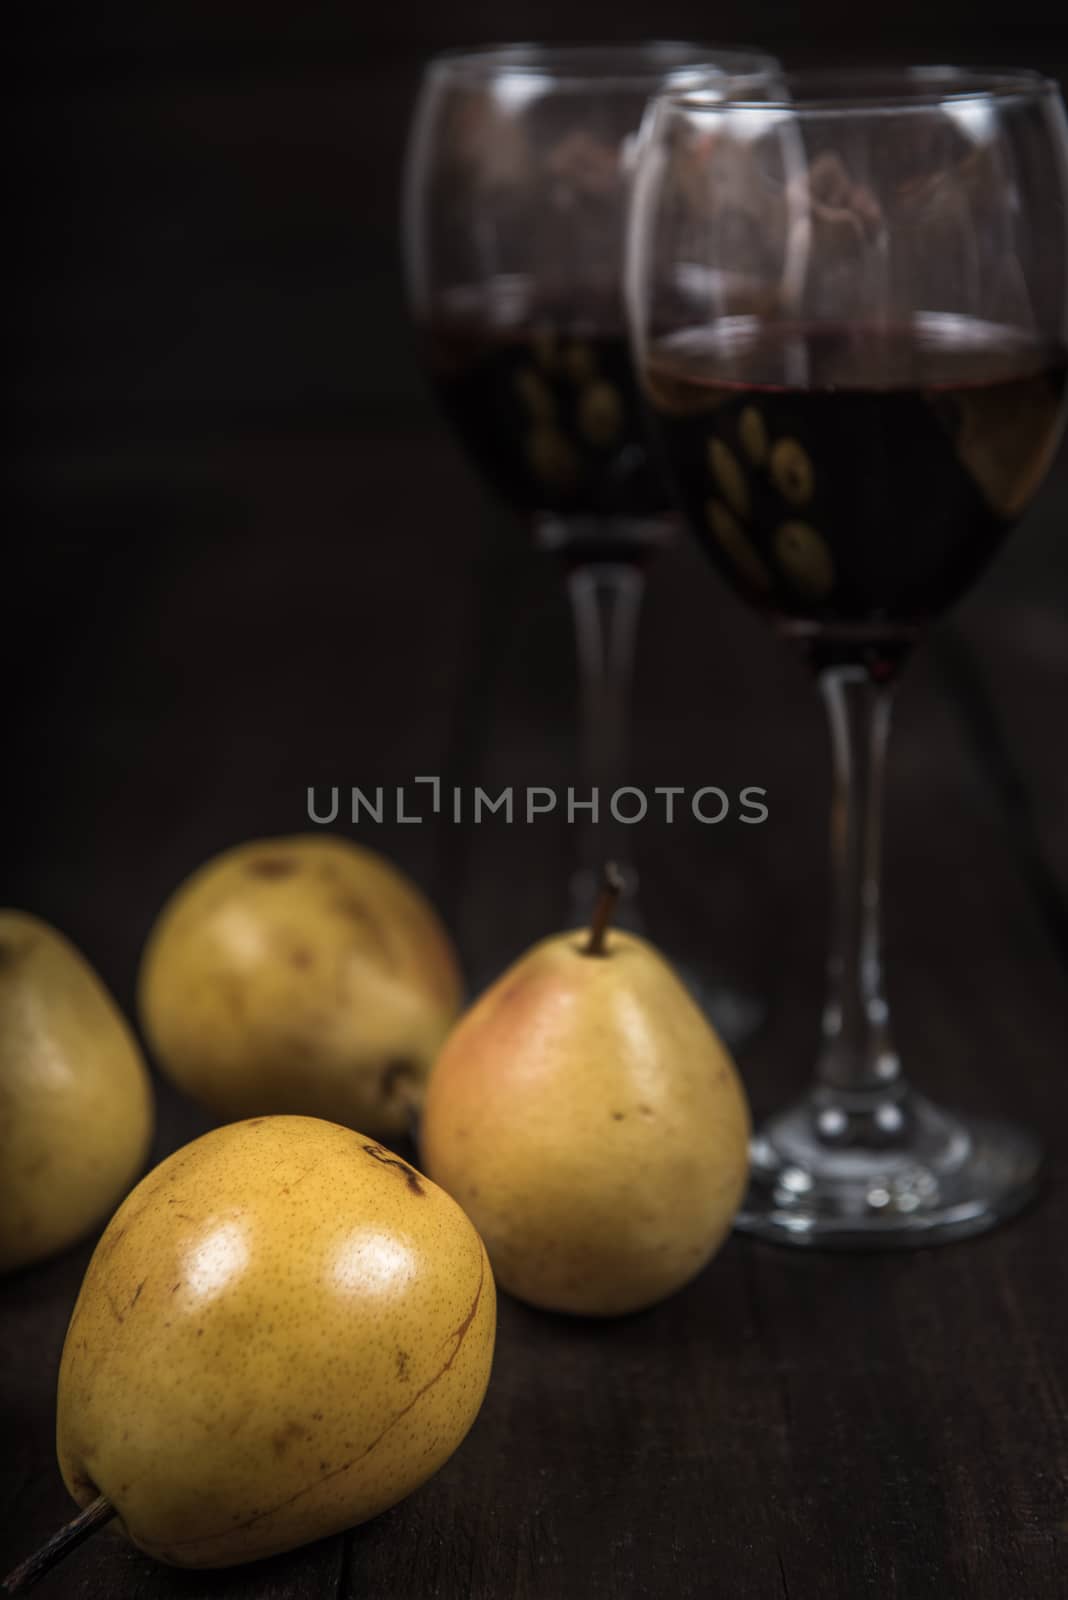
(592, 1126)
(302, 975)
(284, 1330)
(75, 1100)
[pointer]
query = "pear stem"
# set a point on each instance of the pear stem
(68, 1538)
(605, 909)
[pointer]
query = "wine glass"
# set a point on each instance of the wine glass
(848, 308)
(515, 197)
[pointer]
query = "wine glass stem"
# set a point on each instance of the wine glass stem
(857, 1053)
(606, 599)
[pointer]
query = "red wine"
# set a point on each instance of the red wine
(549, 409)
(854, 480)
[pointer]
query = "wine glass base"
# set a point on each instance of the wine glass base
(940, 1177)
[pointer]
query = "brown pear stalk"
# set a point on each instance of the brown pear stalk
(605, 909)
(52, 1552)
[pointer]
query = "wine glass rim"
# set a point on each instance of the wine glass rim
(856, 90)
(607, 61)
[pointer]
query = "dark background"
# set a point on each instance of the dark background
(242, 553)
(241, 556)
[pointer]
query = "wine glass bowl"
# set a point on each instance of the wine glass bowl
(515, 202)
(858, 500)
(848, 307)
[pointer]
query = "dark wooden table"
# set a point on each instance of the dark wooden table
(791, 1424)
(233, 584)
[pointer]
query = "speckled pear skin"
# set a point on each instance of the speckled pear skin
(284, 1330)
(76, 1106)
(301, 975)
(592, 1125)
